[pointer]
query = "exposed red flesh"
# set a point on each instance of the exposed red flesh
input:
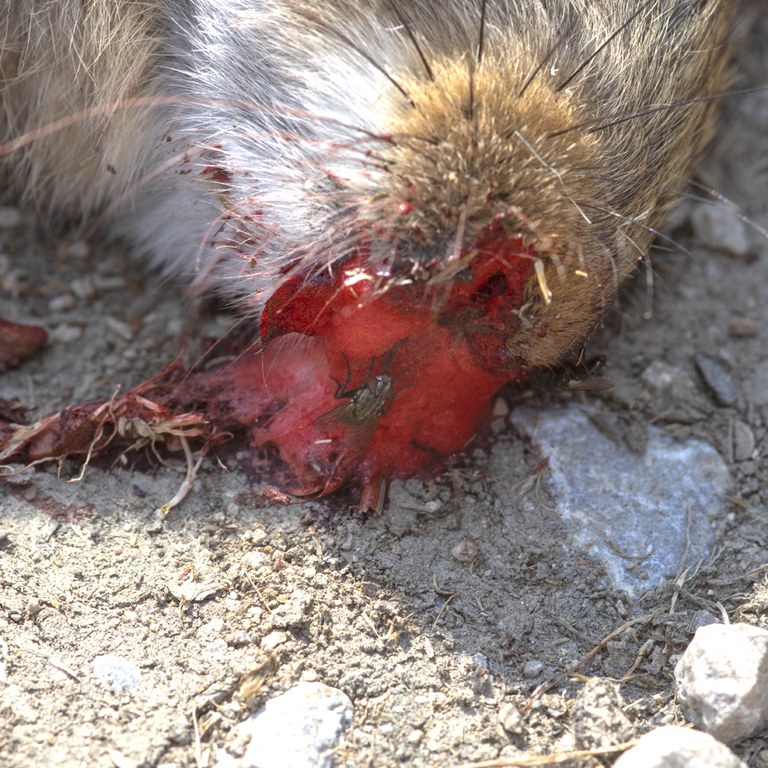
(443, 345)
(447, 356)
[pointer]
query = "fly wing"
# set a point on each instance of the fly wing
(335, 417)
(359, 433)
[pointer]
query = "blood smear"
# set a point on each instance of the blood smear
(326, 338)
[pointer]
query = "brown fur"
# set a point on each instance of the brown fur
(565, 165)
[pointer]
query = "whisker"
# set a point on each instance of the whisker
(360, 51)
(634, 221)
(604, 45)
(547, 56)
(481, 34)
(54, 126)
(408, 31)
(593, 126)
(715, 198)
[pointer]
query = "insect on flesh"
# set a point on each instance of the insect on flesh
(362, 406)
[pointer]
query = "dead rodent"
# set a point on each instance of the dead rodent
(431, 151)
(236, 141)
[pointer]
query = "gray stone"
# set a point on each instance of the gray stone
(597, 716)
(717, 379)
(668, 380)
(638, 515)
(743, 441)
(720, 228)
(675, 747)
(757, 384)
(293, 613)
(532, 668)
(298, 729)
(722, 680)
(510, 719)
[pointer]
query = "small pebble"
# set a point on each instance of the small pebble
(701, 619)
(34, 606)
(465, 551)
(720, 229)
(717, 379)
(293, 612)
(121, 329)
(83, 287)
(109, 283)
(532, 668)
(117, 673)
(757, 384)
(742, 329)
(676, 747)
(255, 559)
(743, 441)
(256, 536)
(415, 736)
(722, 680)
(662, 377)
(62, 303)
(510, 718)
(273, 640)
(597, 716)
(120, 760)
(65, 334)
(79, 249)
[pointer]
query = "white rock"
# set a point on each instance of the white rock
(299, 729)
(638, 515)
(510, 719)
(722, 680)
(675, 747)
(117, 673)
(274, 640)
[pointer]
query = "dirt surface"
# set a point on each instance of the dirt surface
(461, 622)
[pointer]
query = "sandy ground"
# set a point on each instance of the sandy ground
(462, 622)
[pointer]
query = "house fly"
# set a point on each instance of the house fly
(362, 406)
